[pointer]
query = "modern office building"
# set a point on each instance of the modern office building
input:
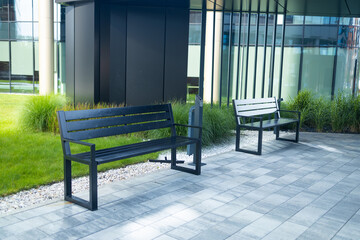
(19, 46)
(308, 52)
(135, 52)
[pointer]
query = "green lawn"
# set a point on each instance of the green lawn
(29, 159)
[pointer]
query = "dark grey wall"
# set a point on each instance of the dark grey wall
(145, 55)
(85, 52)
(176, 53)
(70, 56)
(134, 55)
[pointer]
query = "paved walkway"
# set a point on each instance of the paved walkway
(309, 190)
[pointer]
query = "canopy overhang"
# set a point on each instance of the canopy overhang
(332, 8)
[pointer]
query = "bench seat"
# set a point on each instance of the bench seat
(271, 123)
(132, 150)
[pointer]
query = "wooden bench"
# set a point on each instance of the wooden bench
(249, 114)
(79, 125)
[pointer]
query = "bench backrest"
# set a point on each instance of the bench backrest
(255, 107)
(96, 123)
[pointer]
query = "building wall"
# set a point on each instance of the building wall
(124, 54)
(19, 50)
(320, 54)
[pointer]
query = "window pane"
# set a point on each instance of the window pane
(4, 10)
(293, 35)
(345, 69)
(4, 67)
(36, 10)
(320, 35)
(22, 67)
(317, 70)
(290, 77)
(21, 30)
(20, 10)
(4, 30)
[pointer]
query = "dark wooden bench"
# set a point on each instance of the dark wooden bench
(79, 125)
(250, 113)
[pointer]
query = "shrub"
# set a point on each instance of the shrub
(320, 114)
(355, 121)
(339, 113)
(37, 113)
(217, 123)
(345, 113)
(303, 102)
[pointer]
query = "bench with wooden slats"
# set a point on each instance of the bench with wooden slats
(79, 125)
(249, 114)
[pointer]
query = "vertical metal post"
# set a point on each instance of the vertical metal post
(229, 55)
(301, 55)
(354, 82)
(248, 49)
(238, 63)
(335, 62)
(202, 51)
(221, 54)
(164, 58)
(282, 49)
(256, 46)
(213, 56)
(272, 62)
(265, 45)
(9, 47)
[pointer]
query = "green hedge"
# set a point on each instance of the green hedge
(342, 114)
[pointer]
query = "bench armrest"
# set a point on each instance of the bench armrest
(91, 145)
(292, 111)
(190, 126)
(78, 142)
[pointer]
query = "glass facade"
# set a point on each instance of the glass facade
(19, 48)
(316, 53)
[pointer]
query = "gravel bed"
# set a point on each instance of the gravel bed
(46, 193)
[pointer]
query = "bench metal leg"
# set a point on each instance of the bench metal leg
(285, 139)
(67, 178)
(237, 143)
(93, 203)
(93, 186)
(197, 160)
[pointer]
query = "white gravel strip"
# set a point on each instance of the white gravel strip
(43, 194)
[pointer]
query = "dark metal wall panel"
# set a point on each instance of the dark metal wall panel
(70, 57)
(145, 55)
(104, 52)
(112, 53)
(117, 86)
(85, 52)
(176, 53)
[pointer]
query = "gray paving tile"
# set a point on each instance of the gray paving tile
(308, 190)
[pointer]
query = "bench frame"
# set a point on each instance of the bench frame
(79, 125)
(255, 109)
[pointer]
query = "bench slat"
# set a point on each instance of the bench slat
(114, 121)
(253, 101)
(271, 123)
(255, 107)
(111, 112)
(127, 151)
(111, 131)
(257, 112)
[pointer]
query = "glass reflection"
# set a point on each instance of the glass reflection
(20, 10)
